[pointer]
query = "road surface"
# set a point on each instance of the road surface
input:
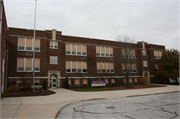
(164, 106)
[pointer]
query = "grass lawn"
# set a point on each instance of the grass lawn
(117, 88)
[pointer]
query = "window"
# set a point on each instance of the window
(157, 54)
(97, 51)
(79, 67)
(124, 81)
(77, 82)
(145, 64)
(84, 67)
(76, 49)
(21, 44)
(84, 50)
(73, 49)
(69, 82)
(156, 67)
(107, 51)
(112, 67)
(104, 51)
(20, 64)
(130, 67)
(122, 53)
(111, 52)
(76, 66)
(85, 82)
(37, 45)
(105, 67)
(98, 67)
(144, 52)
(37, 81)
(53, 44)
(29, 44)
(19, 82)
(130, 53)
(73, 66)
(36, 65)
(53, 59)
(68, 66)
(135, 80)
(106, 81)
(130, 80)
(26, 44)
(26, 64)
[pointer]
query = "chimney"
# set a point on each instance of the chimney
(53, 34)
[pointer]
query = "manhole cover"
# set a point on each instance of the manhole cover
(110, 107)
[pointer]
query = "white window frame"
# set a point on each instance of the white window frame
(145, 64)
(76, 49)
(32, 45)
(53, 44)
(25, 65)
(77, 67)
(105, 67)
(104, 51)
(51, 62)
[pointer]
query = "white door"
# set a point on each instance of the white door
(53, 82)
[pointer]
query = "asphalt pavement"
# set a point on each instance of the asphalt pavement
(164, 106)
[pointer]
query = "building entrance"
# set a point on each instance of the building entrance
(53, 81)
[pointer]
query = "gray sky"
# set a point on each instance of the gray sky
(152, 21)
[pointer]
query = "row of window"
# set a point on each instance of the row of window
(76, 49)
(76, 66)
(129, 53)
(27, 81)
(25, 44)
(157, 54)
(107, 67)
(26, 64)
(102, 51)
(54, 44)
(131, 67)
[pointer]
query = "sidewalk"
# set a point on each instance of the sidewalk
(48, 106)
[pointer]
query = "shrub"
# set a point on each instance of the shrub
(44, 85)
(14, 88)
(66, 83)
(143, 80)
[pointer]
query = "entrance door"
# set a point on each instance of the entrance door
(53, 82)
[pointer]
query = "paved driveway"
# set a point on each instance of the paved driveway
(164, 106)
(48, 106)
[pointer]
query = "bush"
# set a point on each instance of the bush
(44, 85)
(66, 83)
(14, 88)
(143, 80)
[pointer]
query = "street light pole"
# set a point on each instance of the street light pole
(34, 43)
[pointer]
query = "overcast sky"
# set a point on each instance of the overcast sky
(152, 21)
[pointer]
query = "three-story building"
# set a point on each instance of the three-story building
(80, 59)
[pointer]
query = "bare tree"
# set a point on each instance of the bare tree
(127, 62)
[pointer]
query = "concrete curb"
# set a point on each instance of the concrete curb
(57, 112)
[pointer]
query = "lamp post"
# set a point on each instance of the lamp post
(34, 43)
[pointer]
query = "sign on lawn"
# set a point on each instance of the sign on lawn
(98, 83)
(36, 86)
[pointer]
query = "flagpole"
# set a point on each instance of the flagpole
(34, 42)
